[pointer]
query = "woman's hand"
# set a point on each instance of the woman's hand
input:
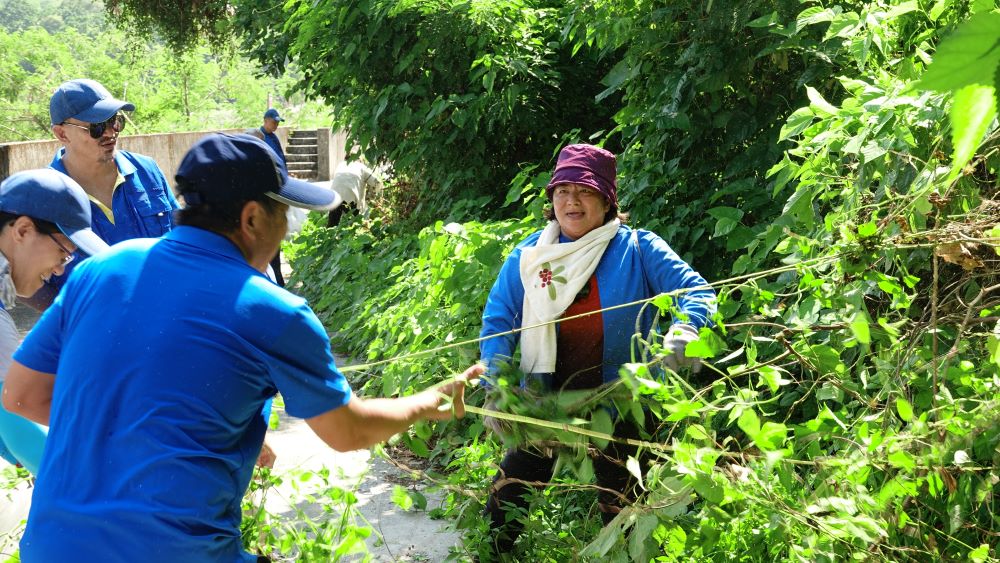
(674, 344)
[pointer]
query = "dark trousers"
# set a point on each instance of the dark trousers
(524, 465)
(333, 218)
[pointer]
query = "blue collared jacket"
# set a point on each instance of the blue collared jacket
(636, 265)
(143, 206)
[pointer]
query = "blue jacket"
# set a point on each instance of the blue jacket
(143, 206)
(637, 265)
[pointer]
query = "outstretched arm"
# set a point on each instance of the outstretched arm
(365, 422)
(28, 393)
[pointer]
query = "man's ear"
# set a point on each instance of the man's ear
(250, 218)
(22, 227)
(60, 132)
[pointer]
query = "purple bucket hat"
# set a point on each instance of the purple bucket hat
(586, 165)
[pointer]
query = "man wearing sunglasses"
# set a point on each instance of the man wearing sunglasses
(129, 195)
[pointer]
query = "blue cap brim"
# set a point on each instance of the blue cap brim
(104, 110)
(299, 193)
(87, 241)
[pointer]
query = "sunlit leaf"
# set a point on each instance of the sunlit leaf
(904, 409)
(973, 110)
(967, 56)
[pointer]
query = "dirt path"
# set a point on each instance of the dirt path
(408, 536)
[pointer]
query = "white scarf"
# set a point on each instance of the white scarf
(552, 274)
(8, 295)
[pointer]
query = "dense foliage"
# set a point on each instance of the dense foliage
(854, 412)
(192, 90)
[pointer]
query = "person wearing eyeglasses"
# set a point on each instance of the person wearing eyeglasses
(129, 195)
(168, 415)
(44, 220)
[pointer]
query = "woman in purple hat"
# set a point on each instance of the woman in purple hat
(584, 262)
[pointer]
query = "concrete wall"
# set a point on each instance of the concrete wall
(330, 152)
(166, 149)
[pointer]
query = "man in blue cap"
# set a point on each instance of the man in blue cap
(271, 121)
(169, 416)
(266, 132)
(129, 194)
(44, 219)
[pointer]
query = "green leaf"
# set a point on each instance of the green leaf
(401, 498)
(708, 345)
(868, 229)
(771, 436)
(900, 9)
(972, 112)
(814, 15)
(969, 55)
(904, 409)
(844, 25)
(771, 376)
(601, 422)
(980, 554)
(749, 423)
(632, 465)
(902, 459)
(617, 76)
(796, 123)
(708, 489)
(641, 533)
(818, 103)
(860, 330)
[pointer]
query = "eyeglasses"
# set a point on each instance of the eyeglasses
(116, 123)
(69, 255)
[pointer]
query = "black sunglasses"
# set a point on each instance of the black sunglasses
(116, 123)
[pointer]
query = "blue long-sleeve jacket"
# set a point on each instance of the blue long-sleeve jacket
(636, 265)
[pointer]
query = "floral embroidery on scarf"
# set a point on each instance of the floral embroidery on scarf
(550, 277)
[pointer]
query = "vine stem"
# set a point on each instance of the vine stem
(934, 331)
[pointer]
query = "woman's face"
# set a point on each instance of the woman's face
(37, 257)
(579, 209)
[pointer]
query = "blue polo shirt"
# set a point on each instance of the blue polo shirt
(272, 141)
(143, 206)
(164, 352)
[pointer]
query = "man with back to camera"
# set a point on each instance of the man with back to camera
(171, 419)
(129, 194)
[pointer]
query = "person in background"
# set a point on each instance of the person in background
(170, 416)
(352, 181)
(44, 220)
(129, 194)
(266, 132)
(583, 261)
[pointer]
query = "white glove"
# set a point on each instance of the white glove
(674, 343)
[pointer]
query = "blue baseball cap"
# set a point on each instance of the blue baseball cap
(222, 168)
(273, 114)
(86, 100)
(54, 197)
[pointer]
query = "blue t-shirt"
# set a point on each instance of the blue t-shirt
(164, 352)
(143, 206)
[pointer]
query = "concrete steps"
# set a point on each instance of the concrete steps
(302, 154)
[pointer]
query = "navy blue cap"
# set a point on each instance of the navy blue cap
(221, 168)
(54, 197)
(273, 114)
(86, 100)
